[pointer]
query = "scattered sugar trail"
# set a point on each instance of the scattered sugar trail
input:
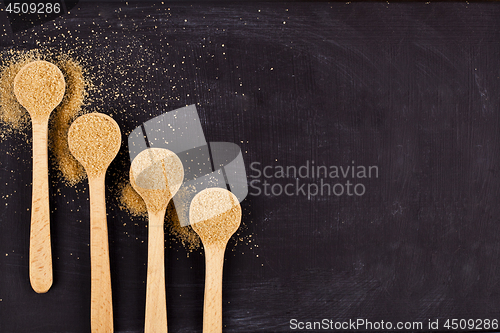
(70, 108)
(16, 120)
(85, 91)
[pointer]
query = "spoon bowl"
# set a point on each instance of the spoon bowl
(215, 215)
(156, 174)
(94, 139)
(39, 86)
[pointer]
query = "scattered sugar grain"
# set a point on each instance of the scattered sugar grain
(185, 235)
(70, 108)
(131, 201)
(15, 119)
(12, 113)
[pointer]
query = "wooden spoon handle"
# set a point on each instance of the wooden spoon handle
(40, 247)
(156, 302)
(101, 306)
(212, 309)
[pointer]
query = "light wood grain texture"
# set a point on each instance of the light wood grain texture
(39, 86)
(212, 307)
(156, 304)
(215, 215)
(156, 174)
(40, 252)
(101, 307)
(94, 139)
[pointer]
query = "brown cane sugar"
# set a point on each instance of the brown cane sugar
(12, 113)
(94, 139)
(156, 174)
(15, 119)
(131, 201)
(215, 214)
(185, 235)
(71, 107)
(39, 86)
(83, 82)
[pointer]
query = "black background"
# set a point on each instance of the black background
(412, 88)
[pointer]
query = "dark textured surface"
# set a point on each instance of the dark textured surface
(411, 88)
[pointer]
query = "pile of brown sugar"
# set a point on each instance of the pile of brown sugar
(12, 114)
(94, 139)
(185, 235)
(70, 108)
(131, 201)
(15, 119)
(39, 87)
(215, 214)
(156, 174)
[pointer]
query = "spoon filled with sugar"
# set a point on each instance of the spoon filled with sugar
(39, 87)
(215, 215)
(94, 139)
(156, 174)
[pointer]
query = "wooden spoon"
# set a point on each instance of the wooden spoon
(94, 139)
(156, 174)
(215, 215)
(39, 86)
